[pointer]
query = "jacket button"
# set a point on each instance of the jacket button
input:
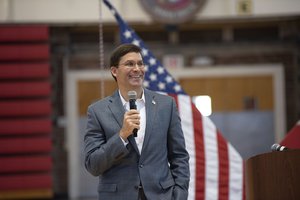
(141, 166)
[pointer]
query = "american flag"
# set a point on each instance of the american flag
(216, 167)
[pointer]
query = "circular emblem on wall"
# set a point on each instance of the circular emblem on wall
(172, 11)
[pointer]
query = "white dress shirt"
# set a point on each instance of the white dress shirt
(140, 104)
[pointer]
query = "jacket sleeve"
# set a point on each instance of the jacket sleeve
(100, 153)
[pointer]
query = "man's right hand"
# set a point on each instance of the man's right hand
(131, 121)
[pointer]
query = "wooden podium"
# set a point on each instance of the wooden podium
(274, 175)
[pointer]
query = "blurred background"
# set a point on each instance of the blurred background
(238, 59)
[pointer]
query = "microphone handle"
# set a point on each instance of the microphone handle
(132, 105)
(134, 132)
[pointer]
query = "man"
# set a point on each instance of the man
(154, 164)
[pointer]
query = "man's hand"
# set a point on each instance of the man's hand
(131, 121)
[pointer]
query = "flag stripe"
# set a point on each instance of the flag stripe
(184, 104)
(211, 160)
(199, 152)
(235, 174)
(223, 167)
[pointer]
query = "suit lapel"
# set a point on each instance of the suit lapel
(118, 112)
(117, 108)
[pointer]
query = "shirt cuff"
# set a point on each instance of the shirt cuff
(125, 142)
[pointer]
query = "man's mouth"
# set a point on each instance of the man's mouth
(135, 76)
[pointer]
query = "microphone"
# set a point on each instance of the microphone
(278, 147)
(132, 98)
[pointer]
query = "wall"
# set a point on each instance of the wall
(80, 11)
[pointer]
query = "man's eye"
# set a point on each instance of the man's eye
(133, 64)
(140, 64)
(130, 64)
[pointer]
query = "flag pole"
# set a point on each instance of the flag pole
(101, 50)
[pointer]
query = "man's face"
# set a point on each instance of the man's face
(130, 72)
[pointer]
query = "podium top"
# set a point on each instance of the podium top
(273, 175)
(274, 154)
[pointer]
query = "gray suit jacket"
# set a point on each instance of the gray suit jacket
(162, 167)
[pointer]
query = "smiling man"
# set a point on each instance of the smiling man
(152, 165)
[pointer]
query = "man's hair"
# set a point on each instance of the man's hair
(120, 51)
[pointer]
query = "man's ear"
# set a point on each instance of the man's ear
(113, 71)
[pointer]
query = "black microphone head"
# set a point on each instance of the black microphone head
(132, 94)
(132, 98)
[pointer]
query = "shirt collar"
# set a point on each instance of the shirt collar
(124, 101)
